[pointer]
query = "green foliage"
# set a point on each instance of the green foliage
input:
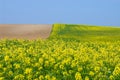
(85, 32)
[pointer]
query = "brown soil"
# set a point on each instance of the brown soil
(24, 31)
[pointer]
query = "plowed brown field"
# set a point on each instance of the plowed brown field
(25, 31)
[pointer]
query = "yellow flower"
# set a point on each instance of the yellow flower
(1, 73)
(116, 71)
(9, 66)
(100, 62)
(17, 66)
(65, 73)
(111, 77)
(96, 69)
(2, 78)
(53, 78)
(1, 65)
(19, 77)
(61, 66)
(47, 77)
(56, 66)
(80, 69)
(29, 77)
(91, 73)
(52, 60)
(28, 70)
(4, 69)
(6, 58)
(27, 60)
(36, 65)
(70, 71)
(41, 77)
(78, 76)
(86, 78)
(36, 79)
(10, 73)
(40, 68)
(46, 63)
(41, 61)
(73, 64)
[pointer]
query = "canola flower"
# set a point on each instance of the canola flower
(59, 60)
(41, 77)
(78, 76)
(28, 70)
(91, 73)
(6, 58)
(86, 78)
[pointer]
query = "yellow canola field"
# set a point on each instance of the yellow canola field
(59, 60)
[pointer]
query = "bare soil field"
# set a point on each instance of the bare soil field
(25, 31)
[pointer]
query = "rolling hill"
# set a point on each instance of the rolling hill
(84, 32)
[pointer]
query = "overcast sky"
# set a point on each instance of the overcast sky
(93, 12)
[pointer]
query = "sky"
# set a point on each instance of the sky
(90, 12)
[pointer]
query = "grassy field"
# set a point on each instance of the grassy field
(85, 32)
(72, 52)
